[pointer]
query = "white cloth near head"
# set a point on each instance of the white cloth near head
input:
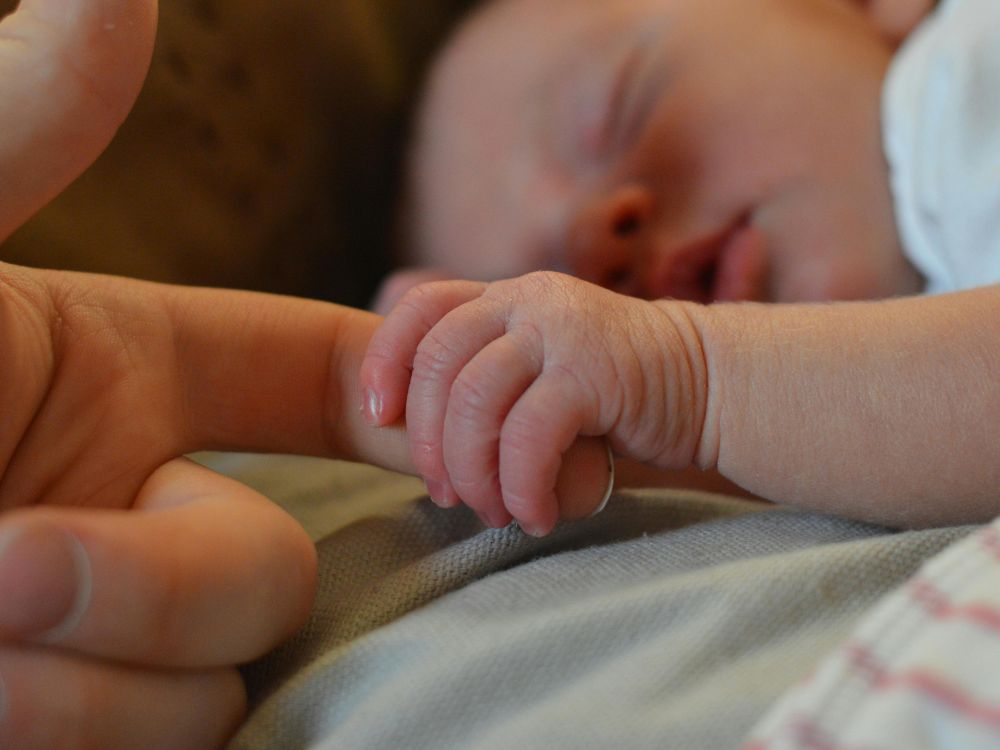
(941, 127)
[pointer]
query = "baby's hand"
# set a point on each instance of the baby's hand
(498, 380)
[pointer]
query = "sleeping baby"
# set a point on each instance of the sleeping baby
(648, 178)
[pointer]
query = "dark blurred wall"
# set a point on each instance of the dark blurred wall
(263, 152)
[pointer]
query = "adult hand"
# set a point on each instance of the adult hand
(131, 580)
(115, 623)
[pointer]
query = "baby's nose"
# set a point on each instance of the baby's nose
(605, 243)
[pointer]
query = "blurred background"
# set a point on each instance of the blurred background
(263, 153)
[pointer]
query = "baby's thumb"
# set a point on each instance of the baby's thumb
(70, 71)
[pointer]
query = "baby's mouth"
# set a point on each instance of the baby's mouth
(726, 266)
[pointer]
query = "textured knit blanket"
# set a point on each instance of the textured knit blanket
(672, 620)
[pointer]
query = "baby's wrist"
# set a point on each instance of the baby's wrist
(682, 357)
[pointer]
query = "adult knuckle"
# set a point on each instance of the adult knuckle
(19, 286)
(26, 306)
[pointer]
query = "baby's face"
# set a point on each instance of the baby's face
(699, 149)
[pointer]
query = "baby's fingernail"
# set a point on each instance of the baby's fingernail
(498, 518)
(437, 492)
(533, 529)
(45, 581)
(372, 407)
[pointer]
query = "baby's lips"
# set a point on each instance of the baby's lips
(584, 478)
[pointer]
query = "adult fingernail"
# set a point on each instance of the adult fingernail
(372, 406)
(45, 581)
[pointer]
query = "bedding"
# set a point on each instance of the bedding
(674, 619)
(918, 673)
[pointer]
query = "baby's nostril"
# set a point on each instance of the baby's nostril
(626, 225)
(706, 281)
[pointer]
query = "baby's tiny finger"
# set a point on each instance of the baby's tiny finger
(481, 396)
(539, 429)
(440, 357)
(385, 370)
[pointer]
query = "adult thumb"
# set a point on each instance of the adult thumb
(70, 71)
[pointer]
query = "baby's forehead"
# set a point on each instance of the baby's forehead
(507, 46)
(476, 129)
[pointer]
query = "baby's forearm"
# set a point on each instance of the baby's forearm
(886, 411)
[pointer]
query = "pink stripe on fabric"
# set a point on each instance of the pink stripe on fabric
(923, 682)
(804, 731)
(989, 538)
(937, 604)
